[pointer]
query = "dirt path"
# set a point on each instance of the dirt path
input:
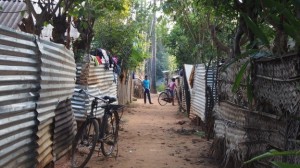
(154, 136)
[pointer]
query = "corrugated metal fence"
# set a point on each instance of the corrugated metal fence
(198, 92)
(98, 82)
(19, 86)
(203, 94)
(8, 15)
(57, 82)
(36, 79)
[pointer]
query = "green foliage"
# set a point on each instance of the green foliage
(190, 39)
(79, 55)
(239, 77)
(285, 165)
(172, 63)
(274, 153)
(161, 88)
(255, 29)
(123, 37)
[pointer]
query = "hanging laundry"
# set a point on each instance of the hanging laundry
(99, 59)
(105, 56)
(94, 59)
(115, 59)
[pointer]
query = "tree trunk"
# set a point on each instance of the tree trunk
(238, 35)
(153, 65)
(60, 27)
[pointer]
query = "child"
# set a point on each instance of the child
(172, 86)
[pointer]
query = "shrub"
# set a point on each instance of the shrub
(161, 88)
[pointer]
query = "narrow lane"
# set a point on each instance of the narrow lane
(154, 136)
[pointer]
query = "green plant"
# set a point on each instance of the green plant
(161, 88)
(274, 153)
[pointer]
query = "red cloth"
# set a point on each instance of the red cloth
(99, 59)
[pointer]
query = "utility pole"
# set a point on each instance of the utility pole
(153, 61)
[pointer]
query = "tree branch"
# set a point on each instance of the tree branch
(30, 8)
(217, 42)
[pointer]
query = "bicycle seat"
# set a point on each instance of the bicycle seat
(110, 99)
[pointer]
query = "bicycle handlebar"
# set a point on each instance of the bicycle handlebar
(105, 99)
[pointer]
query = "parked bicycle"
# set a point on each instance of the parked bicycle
(165, 97)
(91, 132)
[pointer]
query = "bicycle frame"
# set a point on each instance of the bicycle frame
(103, 123)
(89, 134)
(94, 106)
(107, 111)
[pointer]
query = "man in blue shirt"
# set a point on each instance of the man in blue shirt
(146, 86)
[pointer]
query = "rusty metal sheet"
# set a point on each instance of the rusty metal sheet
(98, 82)
(57, 82)
(19, 87)
(33, 84)
(64, 129)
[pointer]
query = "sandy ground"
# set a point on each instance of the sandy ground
(154, 136)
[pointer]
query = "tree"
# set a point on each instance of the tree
(59, 13)
(190, 40)
(85, 16)
(162, 53)
(123, 35)
(153, 50)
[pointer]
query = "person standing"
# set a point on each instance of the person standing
(172, 86)
(146, 86)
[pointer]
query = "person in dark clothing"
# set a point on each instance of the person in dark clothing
(146, 86)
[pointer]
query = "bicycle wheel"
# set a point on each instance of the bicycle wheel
(110, 130)
(163, 98)
(84, 143)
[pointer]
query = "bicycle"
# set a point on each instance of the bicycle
(165, 97)
(91, 132)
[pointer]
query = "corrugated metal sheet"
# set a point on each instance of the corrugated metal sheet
(57, 82)
(11, 15)
(186, 87)
(183, 101)
(203, 79)
(37, 78)
(19, 85)
(98, 82)
(211, 79)
(188, 70)
(198, 98)
(64, 129)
